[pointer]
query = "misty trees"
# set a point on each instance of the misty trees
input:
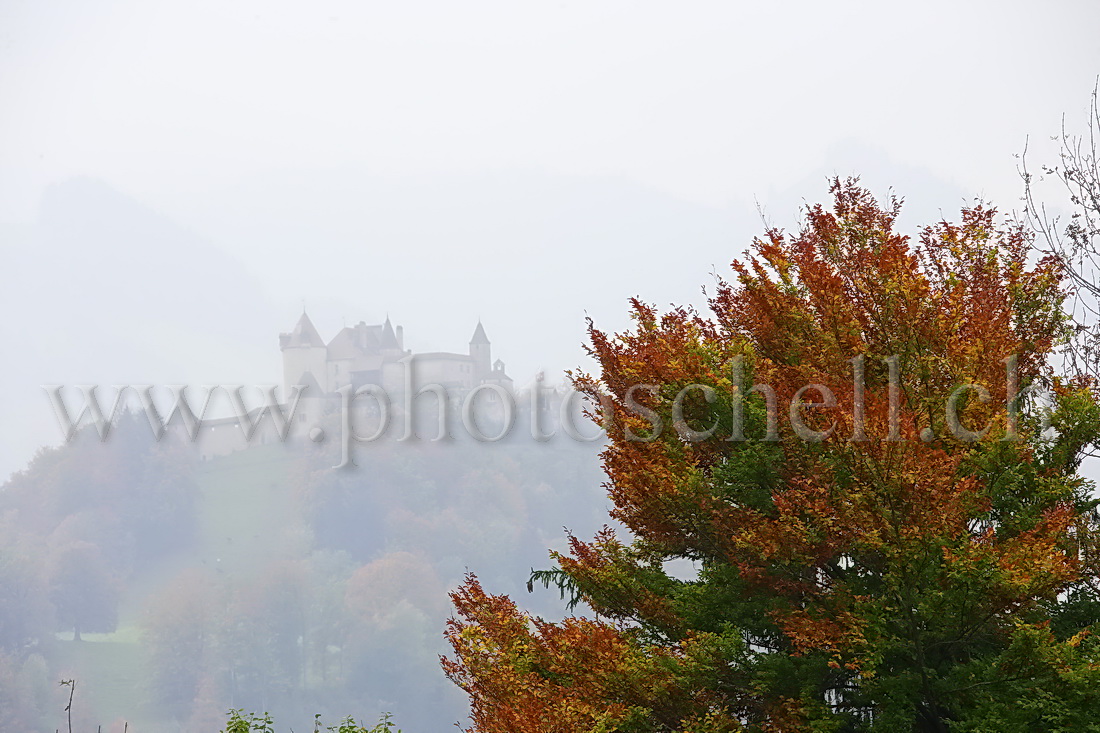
(921, 555)
(25, 621)
(24, 606)
(394, 608)
(177, 636)
(84, 593)
(75, 524)
(93, 512)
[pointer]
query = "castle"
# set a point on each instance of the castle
(375, 354)
(358, 355)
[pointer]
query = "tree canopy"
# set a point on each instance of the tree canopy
(864, 457)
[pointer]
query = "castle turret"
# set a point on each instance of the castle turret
(499, 376)
(389, 340)
(304, 353)
(480, 352)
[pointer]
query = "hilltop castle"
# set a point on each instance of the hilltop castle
(373, 354)
(370, 355)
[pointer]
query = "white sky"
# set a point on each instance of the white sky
(713, 102)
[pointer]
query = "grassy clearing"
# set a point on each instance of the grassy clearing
(108, 671)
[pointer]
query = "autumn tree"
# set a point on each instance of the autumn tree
(178, 640)
(865, 457)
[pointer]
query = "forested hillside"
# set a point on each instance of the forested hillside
(264, 580)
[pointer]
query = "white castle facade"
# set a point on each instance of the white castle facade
(358, 355)
(375, 354)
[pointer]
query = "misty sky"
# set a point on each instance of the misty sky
(214, 165)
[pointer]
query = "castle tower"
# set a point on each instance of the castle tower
(304, 353)
(389, 340)
(481, 353)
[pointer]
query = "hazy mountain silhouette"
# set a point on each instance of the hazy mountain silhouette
(103, 290)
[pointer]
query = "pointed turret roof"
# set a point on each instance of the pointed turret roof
(389, 338)
(479, 336)
(311, 389)
(303, 335)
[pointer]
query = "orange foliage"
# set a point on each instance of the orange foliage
(892, 540)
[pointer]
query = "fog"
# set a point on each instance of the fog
(179, 183)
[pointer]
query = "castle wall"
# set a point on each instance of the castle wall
(338, 374)
(224, 436)
(454, 371)
(298, 361)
